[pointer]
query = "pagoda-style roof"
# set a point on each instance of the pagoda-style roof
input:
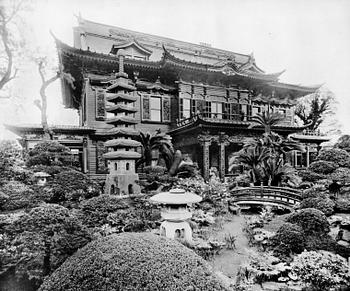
(120, 83)
(121, 108)
(176, 197)
(122, 142)
(121, 155)
(133, 43)
(172, 63)
(198, 121)
(118, 131)
(120, 97)
(21, 129)
(121, 120)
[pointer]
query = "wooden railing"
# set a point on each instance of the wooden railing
(282, 196)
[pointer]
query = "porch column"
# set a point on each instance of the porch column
(205, 141)
(206, 145)
(222, 159)
(85, 155)
(307, 156)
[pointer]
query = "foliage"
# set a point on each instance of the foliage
(322, 270)
(265, 159)
(325, 205)
(314, 192)
(343, 143)
(19, 195)
(39, 241)
(310, 176)
(160, 142)
(341, 175)
(267, 119)
(311, 220)
(335, 155)
(94, 211)
(323, 167)
(71, 185)
(133, 261)
(342, 205)
(11, 162)
(314, 112)
(289, 239)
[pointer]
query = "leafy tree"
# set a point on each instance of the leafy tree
(159, 141)
(38, 242)
(343, 143)
(325, 205)
(335, 155)
(314, 111)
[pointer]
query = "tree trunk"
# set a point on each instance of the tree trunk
(47, 259)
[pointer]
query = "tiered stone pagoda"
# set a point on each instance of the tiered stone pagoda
(176, 213)
(121, 150)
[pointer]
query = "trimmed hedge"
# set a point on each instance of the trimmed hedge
(325, 205)
(133, 261)
(323, 167)
(289, 239)
(311, 220)
(338, 156)
(94, 211)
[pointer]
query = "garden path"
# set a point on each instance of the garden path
(229, 261)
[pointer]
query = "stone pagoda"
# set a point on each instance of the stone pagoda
(121, 150)
(176, 213)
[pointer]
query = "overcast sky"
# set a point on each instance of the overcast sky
(310, 39)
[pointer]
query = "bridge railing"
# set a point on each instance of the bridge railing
(267, 194)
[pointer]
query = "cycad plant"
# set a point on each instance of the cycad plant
(267, 119)
(159, 141)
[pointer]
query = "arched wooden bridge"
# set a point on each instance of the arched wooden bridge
(266, 195)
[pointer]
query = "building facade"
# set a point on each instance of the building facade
(202, 96)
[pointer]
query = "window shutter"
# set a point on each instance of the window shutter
(100, 104)
(166, 109)
(146, 109)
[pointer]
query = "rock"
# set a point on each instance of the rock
(346, 235)
(273, 286)
(335, 220)
(343, 243)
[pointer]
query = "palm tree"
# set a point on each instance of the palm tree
(159, 141)
(253, 157)
(267, 119)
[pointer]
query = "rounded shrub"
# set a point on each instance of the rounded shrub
(342, 205)
(289, 238)
(323, 167)
(341, 175)
(133, 261)
(19, 195)
(335, 155)
(94, 211)
(311, 220)
(310, 176)
(314, 192)
(325, 205)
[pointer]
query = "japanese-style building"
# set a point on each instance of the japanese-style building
(202, 96)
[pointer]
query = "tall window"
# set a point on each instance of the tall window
(216, 110)
(185, 108)
(156, 108)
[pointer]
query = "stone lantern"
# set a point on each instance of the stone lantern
(176, 213)
(40, 178)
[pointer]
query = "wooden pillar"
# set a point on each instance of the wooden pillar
(307, 156)
(85, 155)
(222, 159)
(206, 145)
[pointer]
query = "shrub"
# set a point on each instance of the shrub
(289, 239)
(18, 195)
(335, 155)
(311, 221)
(341, 175)
(158, 170)
(310, 176)
(71, 185)
(322, 270)
(94, 211)
(325, 205)
(314, 192)
(323, 167)
(49, 153)
(131, 261)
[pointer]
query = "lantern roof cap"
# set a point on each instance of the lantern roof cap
(176, 197)
(41, 174)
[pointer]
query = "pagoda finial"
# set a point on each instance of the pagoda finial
(252, 58)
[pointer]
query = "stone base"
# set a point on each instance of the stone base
(122, 184)
(176, 230)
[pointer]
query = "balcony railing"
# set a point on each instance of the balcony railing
(312, 132)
